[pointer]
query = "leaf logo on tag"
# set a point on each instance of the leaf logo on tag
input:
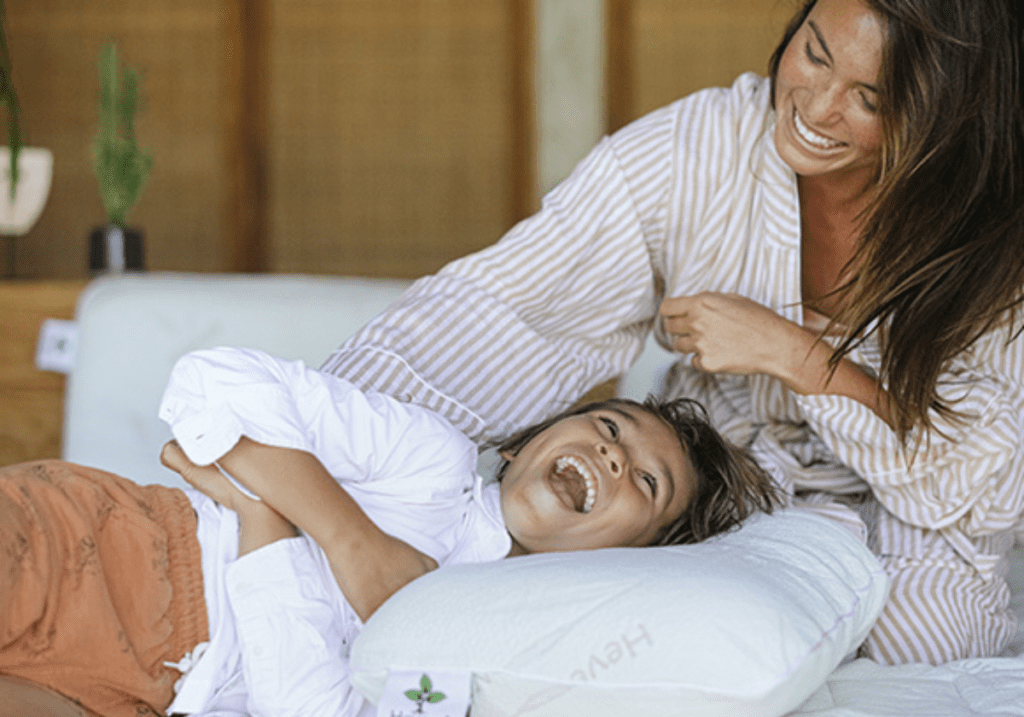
(425, 694)
(452, 700)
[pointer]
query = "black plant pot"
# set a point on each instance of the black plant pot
(116, 249)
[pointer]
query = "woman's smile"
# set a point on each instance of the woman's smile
(816, 140)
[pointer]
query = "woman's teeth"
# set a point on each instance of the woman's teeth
(812, 137)
(583, 472)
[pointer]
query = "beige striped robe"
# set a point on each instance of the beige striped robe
(690, 198)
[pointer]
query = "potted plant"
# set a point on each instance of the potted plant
(25, 183)
(121, 168)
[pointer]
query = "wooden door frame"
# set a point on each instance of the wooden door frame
(619, 61)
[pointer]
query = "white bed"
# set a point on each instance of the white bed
(133, 328)
(990, 687)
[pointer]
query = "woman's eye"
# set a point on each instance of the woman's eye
(612, 426)
(868, 104)
(811, 56)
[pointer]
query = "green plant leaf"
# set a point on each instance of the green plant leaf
(425, 683)
(413, 695)
(121, 165)
(436, 697)
(10, 98)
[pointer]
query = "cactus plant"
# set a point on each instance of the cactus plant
(121, 165)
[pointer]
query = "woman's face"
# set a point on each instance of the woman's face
(826, 92)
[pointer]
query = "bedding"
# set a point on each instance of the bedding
(749, 622)
(991, 687)
(133, 328)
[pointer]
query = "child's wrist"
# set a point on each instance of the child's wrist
(252, 511)
(261, 526)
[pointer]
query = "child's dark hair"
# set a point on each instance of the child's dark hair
(730, 484)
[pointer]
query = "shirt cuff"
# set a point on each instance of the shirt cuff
(206, 436)
(285, 567)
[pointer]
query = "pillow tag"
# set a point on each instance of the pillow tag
(438, 693)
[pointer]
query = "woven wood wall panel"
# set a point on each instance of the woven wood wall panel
(390, 133)
(181, 51)
(31, 401)
(682, 46)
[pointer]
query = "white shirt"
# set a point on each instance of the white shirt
(280, 628)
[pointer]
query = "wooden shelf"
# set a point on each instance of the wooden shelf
(31, 401)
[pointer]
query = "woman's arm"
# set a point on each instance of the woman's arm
(539, 310)
(965, 475)
(728, 333)
(368, 564)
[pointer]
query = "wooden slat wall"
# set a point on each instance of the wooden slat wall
(327, 136)
(245, 132)
(391, 137)
(343, 136)
(661, 50)
(180, 48)
(31, 401)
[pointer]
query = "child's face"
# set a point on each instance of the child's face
(609, 478)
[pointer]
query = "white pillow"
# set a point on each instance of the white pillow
(751, 623)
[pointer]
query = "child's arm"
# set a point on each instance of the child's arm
(368, 564)
(258, 523)
(287, 625)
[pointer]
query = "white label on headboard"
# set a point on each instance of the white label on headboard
(55, 350)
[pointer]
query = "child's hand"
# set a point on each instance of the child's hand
(205, 479)
(258, 523)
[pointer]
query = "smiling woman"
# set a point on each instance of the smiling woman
(834, 250)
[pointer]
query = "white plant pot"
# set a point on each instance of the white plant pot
(35, 173)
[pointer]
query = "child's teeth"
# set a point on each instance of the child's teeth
(588, 502)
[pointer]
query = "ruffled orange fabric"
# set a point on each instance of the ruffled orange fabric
(100, 584)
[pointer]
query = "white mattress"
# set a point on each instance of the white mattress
(990, 687)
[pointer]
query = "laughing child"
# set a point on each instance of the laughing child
(313, 502)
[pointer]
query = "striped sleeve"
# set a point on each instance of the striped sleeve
(511, 334)
(967, 474)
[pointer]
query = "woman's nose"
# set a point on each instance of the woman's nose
(613, 457)
(823, 108)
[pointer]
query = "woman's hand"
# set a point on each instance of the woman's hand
(729, 333)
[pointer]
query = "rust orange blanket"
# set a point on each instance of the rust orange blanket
(100, 583)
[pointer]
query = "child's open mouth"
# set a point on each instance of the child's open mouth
(572, 480)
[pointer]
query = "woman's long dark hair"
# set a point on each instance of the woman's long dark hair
(941, 258)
